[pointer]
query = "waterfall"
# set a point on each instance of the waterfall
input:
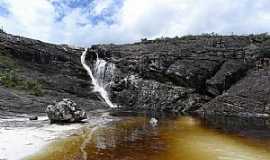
(99, 80)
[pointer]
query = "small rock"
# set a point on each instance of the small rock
(33, 118)
(65, 111)
(153, 122)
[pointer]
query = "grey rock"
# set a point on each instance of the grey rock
(247, 98)
(33, 118)
(138, 95)
(65, 111)
(56, 68)
(229, 73)
(180, 74)
(187, 74)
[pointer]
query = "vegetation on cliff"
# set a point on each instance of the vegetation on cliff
(10, 78)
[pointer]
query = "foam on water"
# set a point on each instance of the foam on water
(21, 137)
(17, 141)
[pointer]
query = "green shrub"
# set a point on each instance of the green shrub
(11, 80)
(9, 77)
(34, 87)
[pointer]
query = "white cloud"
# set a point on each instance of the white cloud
(34, 19)
(133, 19)
(99, 6)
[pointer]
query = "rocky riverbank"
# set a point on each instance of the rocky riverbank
(207, 74)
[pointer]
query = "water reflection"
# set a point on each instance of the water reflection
(258, 128)
(183, 138)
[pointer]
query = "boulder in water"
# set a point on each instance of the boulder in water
(153, 122)
(65, 111)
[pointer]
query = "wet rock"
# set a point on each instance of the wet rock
(153, 122)
(65, 111)
(33, 118)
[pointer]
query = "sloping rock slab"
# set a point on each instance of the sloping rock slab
(250, 97)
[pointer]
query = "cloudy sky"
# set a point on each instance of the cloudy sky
(85, 22)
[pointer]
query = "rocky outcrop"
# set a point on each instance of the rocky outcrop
(206, 74)
(180, 74)
(229, 73)
(33, 74)
(138, 94)
(65, 111)
(248, 98)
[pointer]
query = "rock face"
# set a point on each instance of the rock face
(65, 111)
(138, 94)
(183, 74)
(33, 74)
(229, 73)
(249, 97)
(203, 74)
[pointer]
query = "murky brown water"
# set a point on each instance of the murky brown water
(183, 138)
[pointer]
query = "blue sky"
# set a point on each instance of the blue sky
(86, 22)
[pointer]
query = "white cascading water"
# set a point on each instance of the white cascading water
(98, 82)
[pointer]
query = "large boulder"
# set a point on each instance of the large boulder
(65, 111)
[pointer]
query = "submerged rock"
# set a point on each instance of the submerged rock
(153, 122)
(65, 111)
